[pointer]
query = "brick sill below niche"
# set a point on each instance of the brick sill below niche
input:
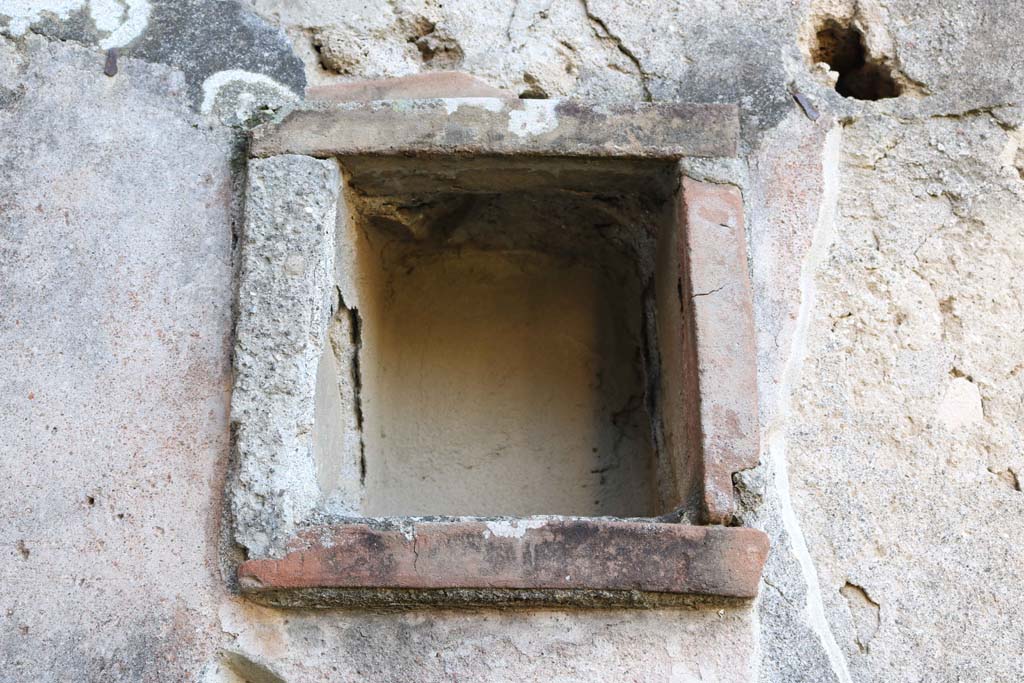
(529, 560)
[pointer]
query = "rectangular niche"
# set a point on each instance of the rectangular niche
(471, 340)
(504, 356)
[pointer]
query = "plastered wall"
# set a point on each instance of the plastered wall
(884, 238)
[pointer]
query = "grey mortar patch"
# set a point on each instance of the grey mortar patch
(201, 38)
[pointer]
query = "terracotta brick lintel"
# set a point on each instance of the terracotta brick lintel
(527, 554)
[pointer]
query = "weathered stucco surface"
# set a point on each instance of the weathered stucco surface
(885, 248)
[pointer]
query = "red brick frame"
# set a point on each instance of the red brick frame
(720, 335)
(493, 561)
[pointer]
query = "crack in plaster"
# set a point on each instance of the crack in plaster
(822, 239)
(599, 23)
(514, 26)
(865, 612)
(782, 593)
(709, 293)
(415, 550)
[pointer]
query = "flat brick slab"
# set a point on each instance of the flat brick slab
(501, 127)
(721, 311)
(528, 554)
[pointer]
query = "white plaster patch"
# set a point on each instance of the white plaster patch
(246, 102)
(824, 234)
(452, 104)
(961, 406)
(24, 13)
(408, 530)
(516, 528)
(535, 118)
(124, 20)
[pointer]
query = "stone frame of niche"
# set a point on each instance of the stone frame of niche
(298, 552)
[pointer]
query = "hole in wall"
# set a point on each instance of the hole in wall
(438, 49)
(861, 76)
(533, 90)
(1008, 477)
(533, 93)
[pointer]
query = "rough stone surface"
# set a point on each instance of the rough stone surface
(286, 300)
(884, 245)
(906, 495)
(506, 646)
